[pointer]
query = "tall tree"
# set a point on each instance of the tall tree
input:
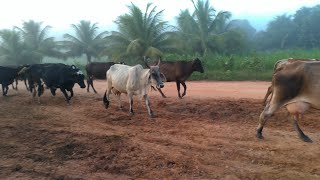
(203, 27)
(308, 31)
(12, 49)
(37, 43)
(140, 34)
(86, 40)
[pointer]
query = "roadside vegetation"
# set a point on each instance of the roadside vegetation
(230, 49)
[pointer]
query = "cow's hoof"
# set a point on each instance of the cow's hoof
(306, 139)
(259, 136)
(106, 104)
(95, 92)
(131, 113)
(152, 116)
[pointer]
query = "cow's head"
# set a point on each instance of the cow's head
(156, 77)
(197, 65)
(78, 75)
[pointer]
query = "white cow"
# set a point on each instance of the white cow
(132, 80)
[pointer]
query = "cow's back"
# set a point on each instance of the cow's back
(170, 70)
(98, 69)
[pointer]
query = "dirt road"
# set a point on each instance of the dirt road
(209, 134)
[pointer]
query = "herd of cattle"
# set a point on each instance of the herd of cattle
(295, 83)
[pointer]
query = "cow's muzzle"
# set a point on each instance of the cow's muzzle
(160, 86)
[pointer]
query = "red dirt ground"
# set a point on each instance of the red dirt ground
(209, 134)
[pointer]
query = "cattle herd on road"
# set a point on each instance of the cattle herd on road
(295, 83)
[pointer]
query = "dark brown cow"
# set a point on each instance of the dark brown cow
(97, 70)
(280, 64)
(297, 87)
(179, 71)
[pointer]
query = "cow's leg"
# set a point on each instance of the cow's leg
(16, 84)
(25, 83)
(71, 93)
(3, 90)
(185, 88)
(130, 95)
(15, 81)
(6, 89)
(88, 83)
(264, 116)
(65, 95)
(146, 98)
(93, 86)
(34, 91)
(106, 100)
(296, 110)
(119, 100)
(269, 91)
(53, 91)
(178, 88)
(164, 96)
(295, 124)
(40, 91)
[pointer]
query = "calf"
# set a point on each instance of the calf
(179, 71)
(132, 80)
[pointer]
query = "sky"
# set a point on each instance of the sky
(60, 14)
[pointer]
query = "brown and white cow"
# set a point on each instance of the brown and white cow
(297, 87)
(132, 80)
(280, 64)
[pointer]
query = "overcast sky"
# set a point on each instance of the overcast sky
(61, 13)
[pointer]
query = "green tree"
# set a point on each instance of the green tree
(307, 21)
(12, 49)
(86, 40)
(139, 34)
(37, 43)
(203, 27)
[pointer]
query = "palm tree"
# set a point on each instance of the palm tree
(11, 48)
(139, 34)
(202, 28)
(37, 44)
(86, 40)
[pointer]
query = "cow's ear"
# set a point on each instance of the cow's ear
(163, 77)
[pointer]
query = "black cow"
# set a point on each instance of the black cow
(179, 71)
(97, 70)
(54, 76)
(7, 77)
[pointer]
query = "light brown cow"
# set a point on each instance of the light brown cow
(297, 87)
(280, 64)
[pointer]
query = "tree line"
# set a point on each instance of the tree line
(204, 31)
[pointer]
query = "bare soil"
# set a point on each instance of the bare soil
(209, 134)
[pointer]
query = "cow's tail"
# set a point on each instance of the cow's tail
(105, 100)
